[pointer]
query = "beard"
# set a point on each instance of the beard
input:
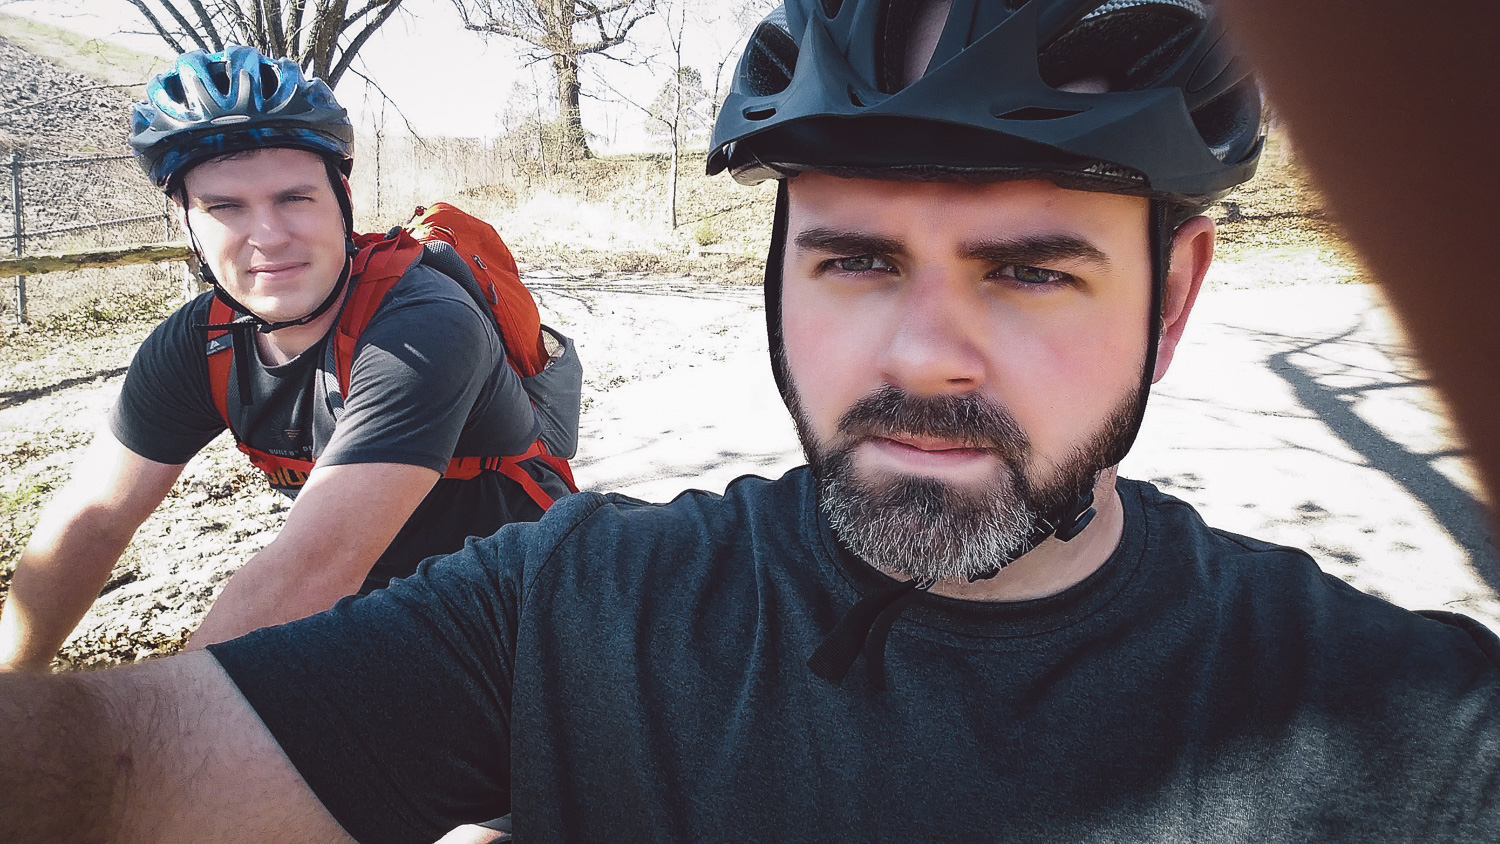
(931, 530)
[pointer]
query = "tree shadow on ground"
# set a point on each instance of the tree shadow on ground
(1458, 512)
(16, 397)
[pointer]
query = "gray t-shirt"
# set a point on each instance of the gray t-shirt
(630, 672)
(428, 381)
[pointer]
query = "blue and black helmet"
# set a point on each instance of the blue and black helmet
(1170, 112)
(210, 104)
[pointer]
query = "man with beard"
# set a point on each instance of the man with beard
(958, 624)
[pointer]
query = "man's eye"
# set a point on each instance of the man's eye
(1034, 275)
(860, 264)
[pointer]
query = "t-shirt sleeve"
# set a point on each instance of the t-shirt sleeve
(422, 366)
(164, 412)
(395, 707)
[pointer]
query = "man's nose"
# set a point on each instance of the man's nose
(269, 228)
(935, 345)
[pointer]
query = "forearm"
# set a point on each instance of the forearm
(164, 751)
(66, 563)
(1395, 110)
(277, 585)
(342, 522)
(57, 769)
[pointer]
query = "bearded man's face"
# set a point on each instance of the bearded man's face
(964, 359)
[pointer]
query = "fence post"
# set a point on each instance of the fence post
(15, 193)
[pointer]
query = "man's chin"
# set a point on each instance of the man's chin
(925, 528)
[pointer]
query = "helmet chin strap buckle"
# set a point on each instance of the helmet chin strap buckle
(1068, 529)
(1071, 527)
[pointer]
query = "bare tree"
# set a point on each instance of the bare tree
(674, 114)
(560, 32)
(323, 36)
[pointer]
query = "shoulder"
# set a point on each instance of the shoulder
(181, 328)
(1279, 597)
(1176, 531)
(428, 304)
(176, 348)
(610, 535)
(423, 285)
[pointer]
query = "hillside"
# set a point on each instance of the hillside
(52, 108)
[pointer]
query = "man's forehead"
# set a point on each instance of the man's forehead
(274, 168)
(815, 199)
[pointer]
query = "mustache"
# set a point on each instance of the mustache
(967, 418)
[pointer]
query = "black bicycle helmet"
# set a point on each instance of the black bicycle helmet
(819, 87)
(210, 104)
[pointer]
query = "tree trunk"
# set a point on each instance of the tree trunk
(672, 193)
(574, 142)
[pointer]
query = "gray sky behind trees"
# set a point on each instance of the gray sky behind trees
(425, 44)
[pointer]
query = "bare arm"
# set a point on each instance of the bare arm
(81, 533)
(1395, 107)
(343, 520)
(164, 751)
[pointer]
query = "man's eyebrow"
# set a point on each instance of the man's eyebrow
(214, 198)
(836, 242)
(1035, 250)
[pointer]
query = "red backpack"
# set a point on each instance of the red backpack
(471, 252)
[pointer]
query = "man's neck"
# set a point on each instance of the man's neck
(282, 345)
(1054, 565)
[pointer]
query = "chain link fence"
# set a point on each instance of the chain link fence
(72, 204)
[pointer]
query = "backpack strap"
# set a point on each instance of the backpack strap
(463, 468)
(220, 352)
(379, 264)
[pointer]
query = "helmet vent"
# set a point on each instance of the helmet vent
(759, 113)
(770, 59)
(831, 8)
(269, 80)
(1235, 116)
(905, 51)
(1037, 113)
(854, 98)
(1130, 46)
(172, 85)
(219, 78)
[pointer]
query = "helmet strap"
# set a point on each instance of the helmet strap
(775, 258)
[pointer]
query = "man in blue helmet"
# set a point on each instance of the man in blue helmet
(958, 624)
(255, 155)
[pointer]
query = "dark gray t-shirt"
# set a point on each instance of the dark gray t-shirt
(428, 381)
(631, 672)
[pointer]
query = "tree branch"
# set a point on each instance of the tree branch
(352, 48)
(294, 11)
(155, 22)
(373, 84)
(275, 34)
(208, 25)
(182, 21)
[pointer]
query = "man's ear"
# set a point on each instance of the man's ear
(179, 208)
(1192, 252)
